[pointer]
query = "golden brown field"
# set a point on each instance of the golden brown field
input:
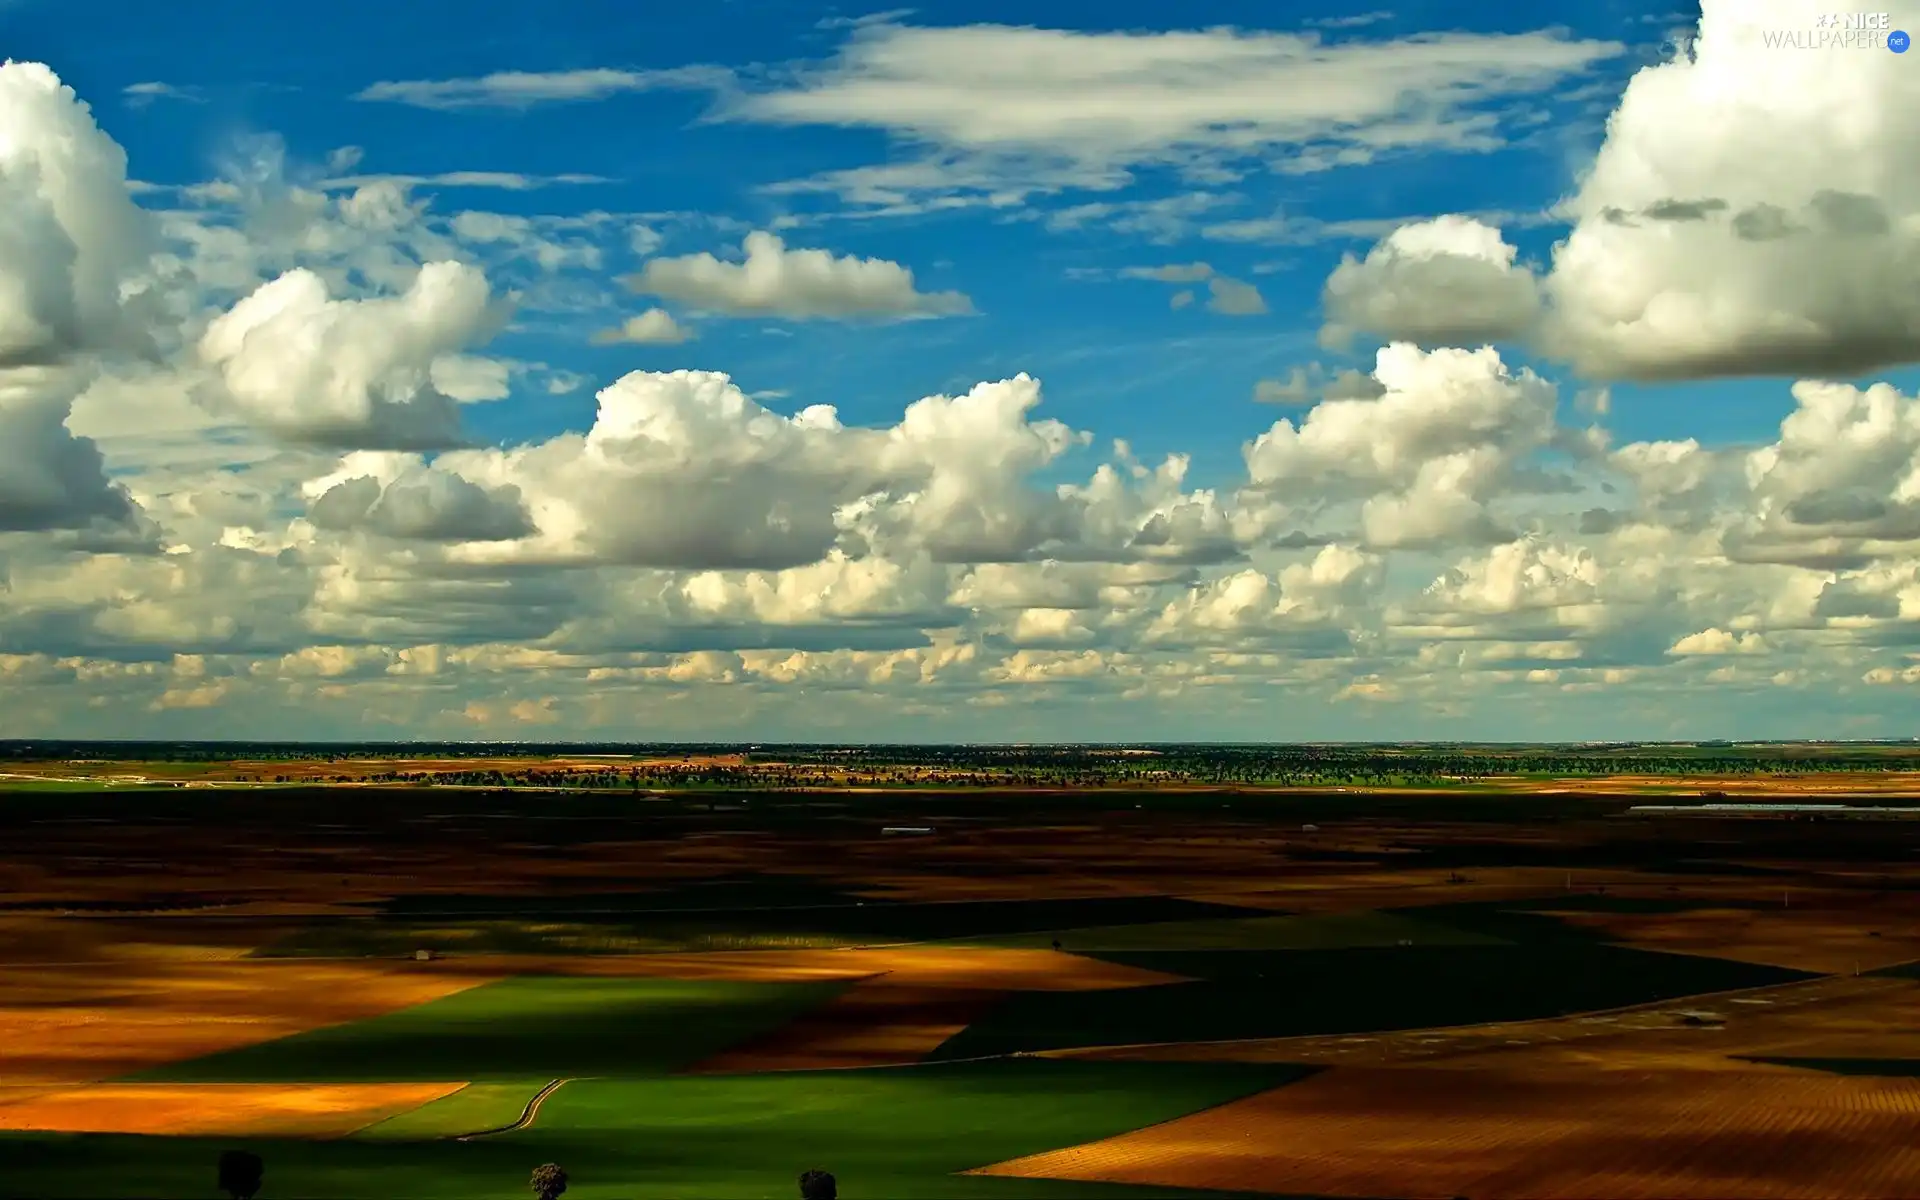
(63, 1023)
(1529, 1130)
(218, 1109)
(1824, 939)
(957, 968)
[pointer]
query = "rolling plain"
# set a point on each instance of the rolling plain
(391, 984)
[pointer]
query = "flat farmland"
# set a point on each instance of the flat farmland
(711, 992)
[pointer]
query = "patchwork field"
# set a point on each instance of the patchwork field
(427, 993)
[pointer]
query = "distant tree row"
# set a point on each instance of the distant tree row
(954, 768)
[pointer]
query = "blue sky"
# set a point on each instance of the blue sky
(1100, 347)
(1201, 231)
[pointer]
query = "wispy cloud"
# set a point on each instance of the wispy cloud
(1350, 21)
(511, 181)
(889, 17)
(1281, 229)
(1031, 109)
(139, 95)
(525, 89)
(1227, 296)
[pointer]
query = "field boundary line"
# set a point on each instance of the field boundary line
(1621, 1010)
(525, 1118)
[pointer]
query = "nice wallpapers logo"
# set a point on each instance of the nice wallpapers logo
(1842, 31)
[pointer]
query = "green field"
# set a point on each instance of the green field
(888, 1134)
(549, 1026)
(67, 785)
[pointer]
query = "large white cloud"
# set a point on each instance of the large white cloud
(1315, 604)
(1754, 210)
(799, 285)
(71, 240)
(1841, 485)
(73, 255)
(399, 496)
(684, 470)
(1425, 458)
(350, 373)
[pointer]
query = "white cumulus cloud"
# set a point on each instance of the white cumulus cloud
(1423, 459)
(73, 256)
(654, 327)
(1448, 281)
(353, 374)
(799, 285)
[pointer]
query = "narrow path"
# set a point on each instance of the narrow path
(525, 1118)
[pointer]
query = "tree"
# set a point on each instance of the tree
(240, 1174)
(548, 1181)
(818, 1185)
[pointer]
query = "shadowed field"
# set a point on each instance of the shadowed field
(873, 1024)
(531, 1025)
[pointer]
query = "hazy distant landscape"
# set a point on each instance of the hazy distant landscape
(1657, 768)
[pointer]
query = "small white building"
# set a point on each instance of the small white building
(907, 830)
(423, 956)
